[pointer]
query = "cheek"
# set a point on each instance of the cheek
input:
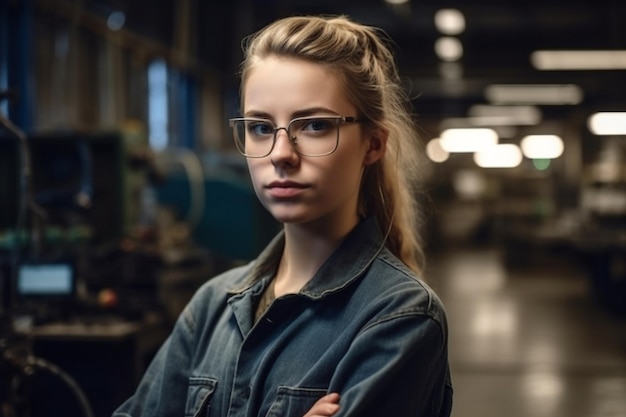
(344, 174)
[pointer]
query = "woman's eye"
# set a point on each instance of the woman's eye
(317, 125)
(260, 129)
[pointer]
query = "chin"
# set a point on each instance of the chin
(283, 215)
(290, 219)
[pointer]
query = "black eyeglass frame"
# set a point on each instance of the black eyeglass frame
(340, 120)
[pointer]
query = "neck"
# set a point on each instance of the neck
(306, 248)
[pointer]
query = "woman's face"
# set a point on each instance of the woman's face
(321, 190)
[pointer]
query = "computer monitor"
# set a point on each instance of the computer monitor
(46, 280)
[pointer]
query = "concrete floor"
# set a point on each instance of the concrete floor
(528, 342)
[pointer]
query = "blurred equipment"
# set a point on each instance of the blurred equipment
(601, 238)
(217, 201)
(17, 363)
(46, 290)
(70, 211)
(76, 186)
(18, 370)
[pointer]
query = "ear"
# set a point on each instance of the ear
(377, 146)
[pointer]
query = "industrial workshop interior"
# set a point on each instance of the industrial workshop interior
(121, 191)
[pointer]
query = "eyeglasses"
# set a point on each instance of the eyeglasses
(310, 136)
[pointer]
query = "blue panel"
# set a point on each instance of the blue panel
(234, 224)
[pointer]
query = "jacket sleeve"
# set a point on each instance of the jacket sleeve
(397, 367)
(162, 390)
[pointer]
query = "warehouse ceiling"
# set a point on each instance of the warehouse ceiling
(497, 42)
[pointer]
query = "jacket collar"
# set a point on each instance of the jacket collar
(343, 266)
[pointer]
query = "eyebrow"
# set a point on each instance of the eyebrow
(299, 113)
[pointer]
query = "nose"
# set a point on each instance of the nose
(283, 147)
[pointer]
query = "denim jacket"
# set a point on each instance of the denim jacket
(364, 327)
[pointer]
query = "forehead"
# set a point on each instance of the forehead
(277, 85)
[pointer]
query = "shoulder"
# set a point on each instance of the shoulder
(399, 292)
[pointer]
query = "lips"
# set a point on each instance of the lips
(285, 189)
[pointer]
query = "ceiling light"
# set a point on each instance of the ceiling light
(468, 140)
(549, 94)
(396, 1)
(479, 121)
(116, 20)
(450, 21)
(435, 152)
(542, 146)
(503, 131)
(505, 115)
(448, 48)
(505, 155)
(578, 60)
(456, 123)
(607, 123)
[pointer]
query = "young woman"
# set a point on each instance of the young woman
(332, 318)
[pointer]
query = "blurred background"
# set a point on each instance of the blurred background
(121, 191)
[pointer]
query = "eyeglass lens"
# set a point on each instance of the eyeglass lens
(310, 136)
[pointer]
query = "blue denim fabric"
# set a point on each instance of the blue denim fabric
(364, 327)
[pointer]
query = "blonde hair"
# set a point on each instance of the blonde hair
(362, 57)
